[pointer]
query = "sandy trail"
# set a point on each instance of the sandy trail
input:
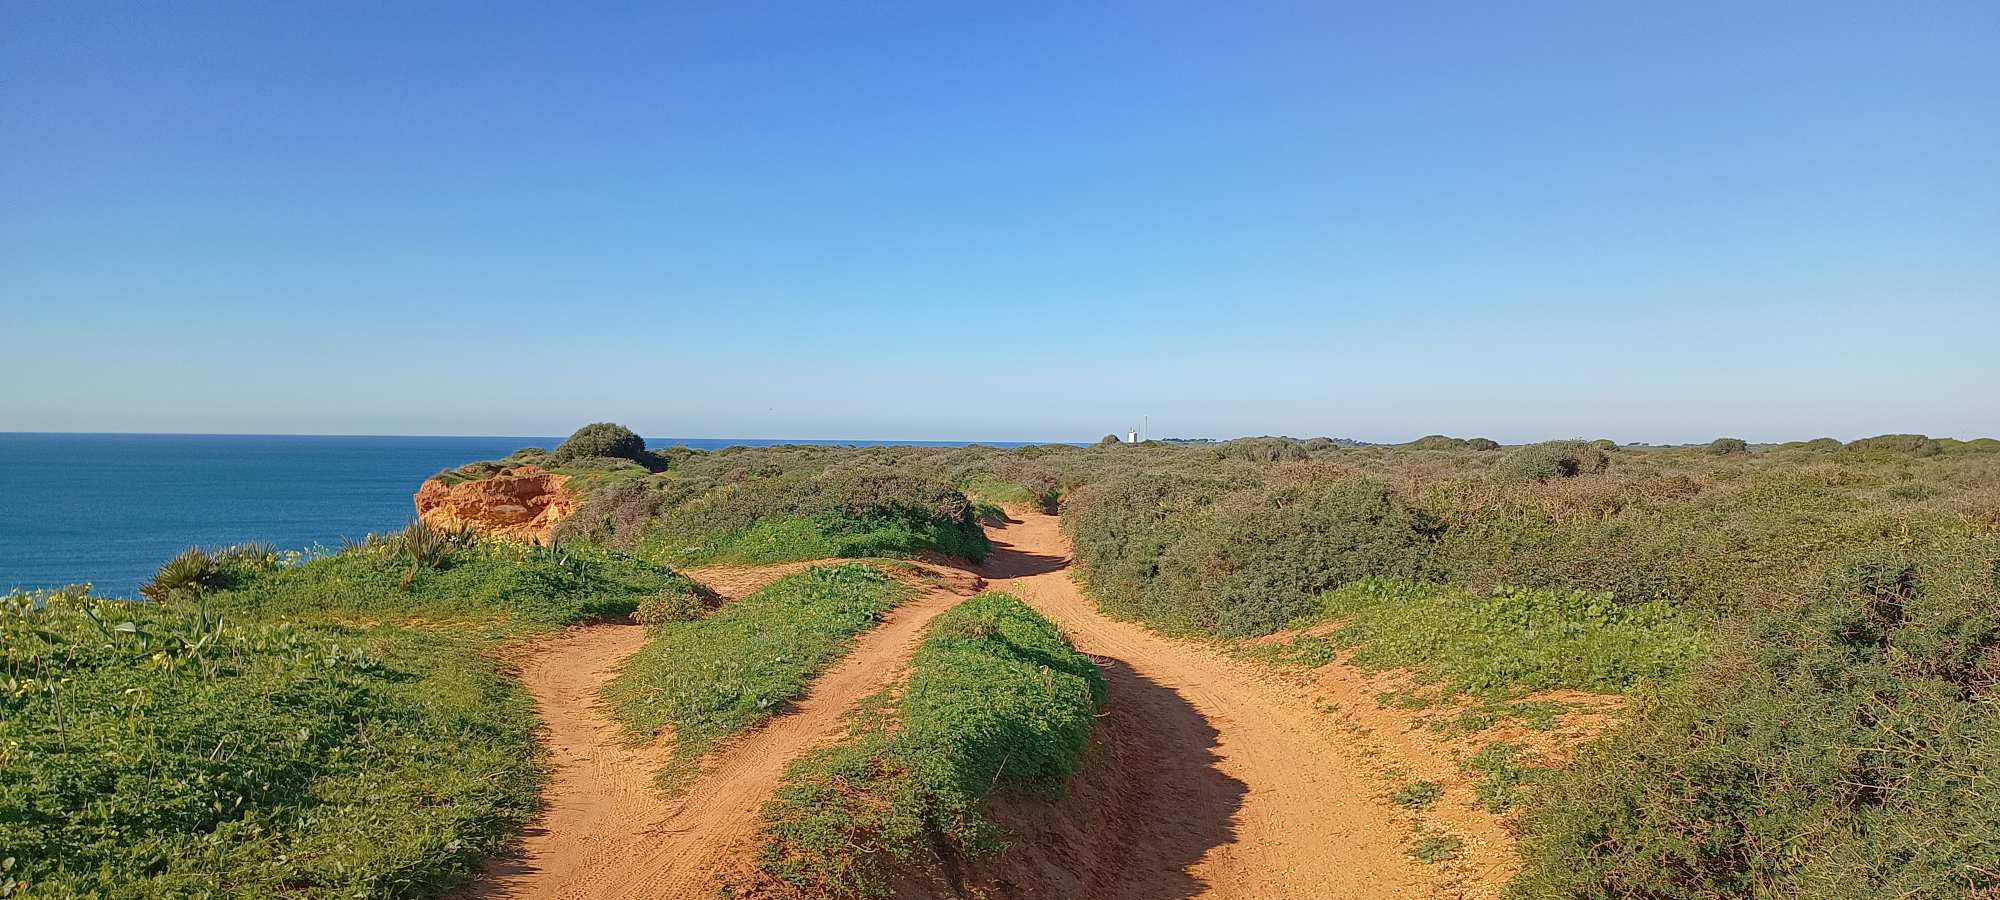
(608, 833)
(1221, 779)
(731, 582)
(1247, 791)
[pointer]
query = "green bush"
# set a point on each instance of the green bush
(1482, 444)
(1726, 446)
(1914, 444)
(997, 702)
(1202, 554)
(680, 603)
(1110, 440)
(606, 439)
(1551, 460)
(1838, 747)
(1261, 557)
(1262, 449)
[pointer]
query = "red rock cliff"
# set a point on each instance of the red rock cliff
(523, 503)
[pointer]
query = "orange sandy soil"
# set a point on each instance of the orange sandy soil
(1209, 776)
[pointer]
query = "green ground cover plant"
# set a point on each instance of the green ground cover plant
(155, 752)
(714, 676)
(495, 582)
(273, 724)
(1500, 644)
(1437, 848)
(1419, 795)
(1506, 774)
(997, 702)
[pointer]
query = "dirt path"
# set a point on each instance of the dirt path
(1217, 778)
(736, 582)
(599, 785)
(1247, 791)
(608, 833)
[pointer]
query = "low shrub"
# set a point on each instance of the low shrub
(1913, 444)
(1840, 746)
(1259, 560)
(679, 603)
(195, 572)
(616, 514)
(1551, 460)
(997, 702)
(1727, 446)
(1262, 449)
(602, 439)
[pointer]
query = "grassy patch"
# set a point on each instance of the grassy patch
(1437, 848)
(794, 538)
(1535, 715)
(997, 701)
(711, 677)
(153, 752)
(1506, 774)
(1044, 493)
(263, 732)
(1419, 795)
(516, 584)
(1503, 643)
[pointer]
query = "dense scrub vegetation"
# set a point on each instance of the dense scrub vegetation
(1797, 730)
(709, 677)
(1832, 743)
(997, 701)
(1842, 745)
(260, 731)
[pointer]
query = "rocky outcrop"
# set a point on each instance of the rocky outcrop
(524, 503)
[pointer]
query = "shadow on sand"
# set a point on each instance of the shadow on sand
(1148, 805)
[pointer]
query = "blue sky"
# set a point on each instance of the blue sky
(1006, 221)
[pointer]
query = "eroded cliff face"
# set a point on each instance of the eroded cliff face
(524, 503)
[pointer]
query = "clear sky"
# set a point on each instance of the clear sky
(1645, 221)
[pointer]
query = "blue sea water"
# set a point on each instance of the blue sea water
(109, 508)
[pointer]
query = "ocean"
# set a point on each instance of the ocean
(109, 508)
